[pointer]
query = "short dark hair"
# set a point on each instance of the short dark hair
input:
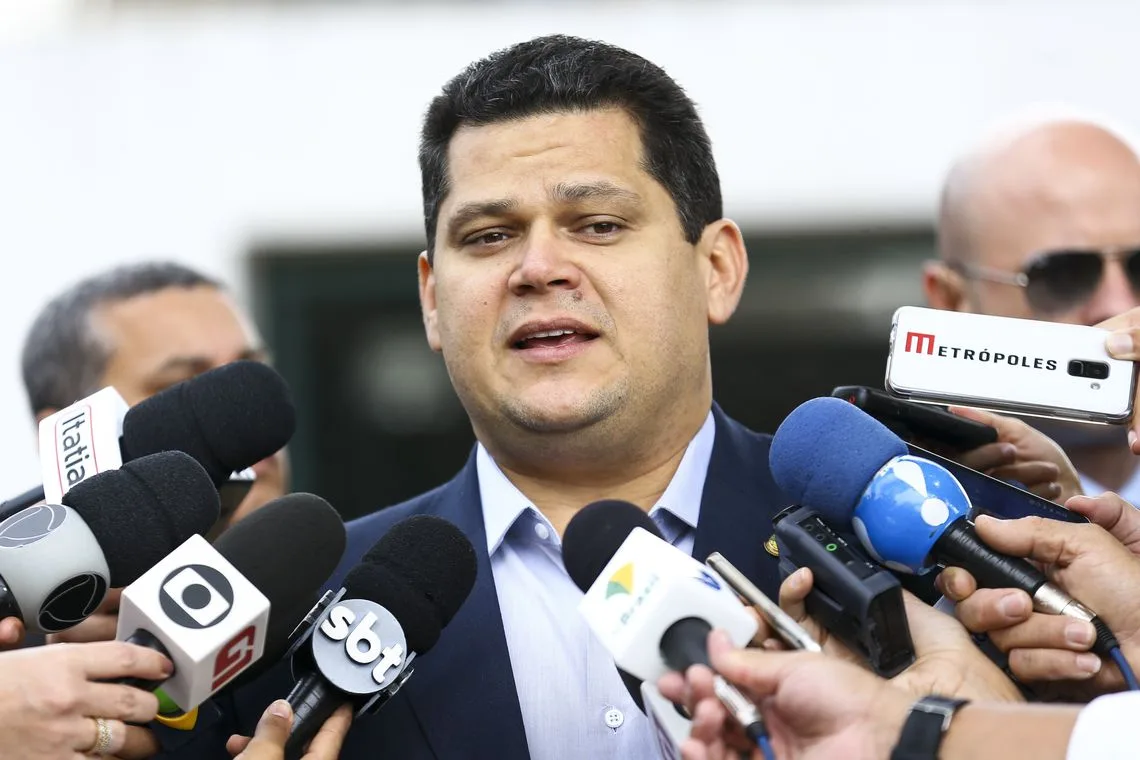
(557, 74)
(64, 357)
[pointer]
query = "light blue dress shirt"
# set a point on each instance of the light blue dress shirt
(574, 704)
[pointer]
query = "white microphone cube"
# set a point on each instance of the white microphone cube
(647, 586)
(80, 441)
(211, 619)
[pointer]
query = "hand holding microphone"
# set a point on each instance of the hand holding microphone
(268, 742)
(816, 707)
(52, 704)
(946, 659)
(1085, 560)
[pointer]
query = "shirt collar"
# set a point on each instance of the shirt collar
(504, 504)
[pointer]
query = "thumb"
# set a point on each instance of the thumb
(1030, 537)
(272, 731)
(11, 632)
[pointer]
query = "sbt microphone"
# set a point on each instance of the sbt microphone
(909, 513)
(58, 560)
(227, 419)
(358, 644)
(650, 604)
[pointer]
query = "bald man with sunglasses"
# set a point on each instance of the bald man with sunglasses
(1043, 222)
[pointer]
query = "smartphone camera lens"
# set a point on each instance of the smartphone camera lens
(1092, 370)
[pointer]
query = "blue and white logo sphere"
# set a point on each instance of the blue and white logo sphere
(904, 510)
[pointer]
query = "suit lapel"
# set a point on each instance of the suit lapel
(463, 691)
(739, 501)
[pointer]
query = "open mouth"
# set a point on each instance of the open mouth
(553, 338)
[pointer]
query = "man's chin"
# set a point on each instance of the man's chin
(561, 413)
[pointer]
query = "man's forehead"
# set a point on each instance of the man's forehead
(176, 323)
(603, 142)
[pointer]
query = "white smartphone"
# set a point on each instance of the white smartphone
(1023, 366)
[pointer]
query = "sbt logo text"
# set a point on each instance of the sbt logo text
(362, 643)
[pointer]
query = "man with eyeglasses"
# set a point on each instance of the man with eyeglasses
(1043, 222)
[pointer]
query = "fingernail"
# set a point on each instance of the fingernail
(1131, 439)
(1089, 663)
(1012, 606)
(167, 668)
(1119, 343)
(1009, 450)
(281, 709)
(1080, 634)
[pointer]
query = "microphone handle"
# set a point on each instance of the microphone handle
(150, 641)
(313, 700)
(959, 546)
(23, 501)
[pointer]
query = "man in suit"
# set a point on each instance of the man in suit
(577, 254)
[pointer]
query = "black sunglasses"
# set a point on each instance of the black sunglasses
(1058, 280)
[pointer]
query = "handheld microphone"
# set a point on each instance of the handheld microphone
(359, 644)
(909, 513)
(639, 588)
(197, 608)
(57, 561)
(227, 419)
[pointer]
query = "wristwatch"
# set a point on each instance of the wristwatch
(927, 723)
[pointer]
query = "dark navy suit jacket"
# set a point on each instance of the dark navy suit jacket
(461, 700)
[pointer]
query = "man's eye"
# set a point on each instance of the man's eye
(486, 238)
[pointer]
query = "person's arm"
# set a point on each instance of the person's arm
(1000, 731)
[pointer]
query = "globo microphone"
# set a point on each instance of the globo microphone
(908, 512)
(58, 560)
(227, 419)
(216, 610)
(359, 643)
(650, 604)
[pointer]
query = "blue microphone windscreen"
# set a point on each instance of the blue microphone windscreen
(825, 453)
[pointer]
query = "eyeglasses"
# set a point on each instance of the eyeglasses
(1059, 280)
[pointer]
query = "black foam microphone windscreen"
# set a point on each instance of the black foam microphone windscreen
(144, 510)
(228, 419)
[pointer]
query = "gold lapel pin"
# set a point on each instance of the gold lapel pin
(772, 547)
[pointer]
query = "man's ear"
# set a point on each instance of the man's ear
(944, 288)
(723, 247)
(427, 301)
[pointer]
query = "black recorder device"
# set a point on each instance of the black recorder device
(854, 599)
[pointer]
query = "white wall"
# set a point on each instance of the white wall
(188, 136)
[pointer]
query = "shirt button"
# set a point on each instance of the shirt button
(614, 718)
(542, 531)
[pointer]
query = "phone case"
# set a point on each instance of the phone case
(1043, 369)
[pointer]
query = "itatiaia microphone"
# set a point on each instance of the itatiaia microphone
(227, 419)
(909, 513)
(613, 551)
(395, 604)
(207, 623)
(57, 561)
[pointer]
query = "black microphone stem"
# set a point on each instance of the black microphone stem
(313, 701)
